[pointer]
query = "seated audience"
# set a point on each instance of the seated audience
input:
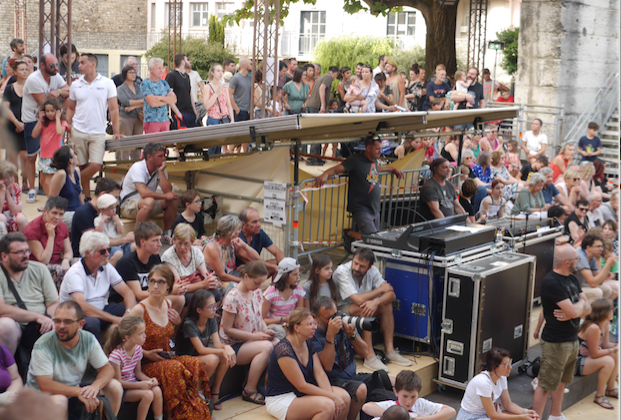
(530, 168)
(610, 210)
(410, 145)
(199, 330)
(124, 348)
(191, 201)
(407, 388)
(252, 234)
(60, 359)
(468, 190)
(530, 199)
(135, 267)
(500, 172)
(609, 230)
(438, 196)
(139, 197)
(588, 184)
(66, 181)
(10, 381)
(363, 292)
(558, 214)
(320, 282)
(282, 297)
(590, 146)
(179, 377)
(48, 239)
(569, 187)
(23, 323)
(220, 252)
(243, 328)
(396, 412)
(551, 194)
(594, 282)
(492, 141)
(12, 218)
(89, 281)
(600, 179)
(494, 205)
(295, 369)
(109, 223)
(597, 353)
(562, 161)
(596, 219)
(185, 260)
(489, 386)
(577, 223)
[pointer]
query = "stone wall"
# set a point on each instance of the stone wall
(88, 17)
(567, 49)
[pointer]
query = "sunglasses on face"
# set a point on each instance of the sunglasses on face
(582, 209)
(104, 251)
(52, 66)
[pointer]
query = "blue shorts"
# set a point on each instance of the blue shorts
(236, 347)
(33, 146)
(125, 248)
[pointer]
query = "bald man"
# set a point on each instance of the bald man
(564, 304)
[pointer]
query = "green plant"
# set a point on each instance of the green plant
(405, 58)
(350, 50)
(200, 51)
(510, 53)
(216, 30)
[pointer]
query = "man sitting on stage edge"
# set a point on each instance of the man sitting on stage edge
(365, 293)
(438, 196)
(139, 197)
(253, 235)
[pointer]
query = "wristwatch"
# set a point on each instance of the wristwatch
(353, 337)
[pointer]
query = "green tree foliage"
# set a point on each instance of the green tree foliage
(405, 58)
(216, 30)
(510, 53)
(350, 50)
(200, 51)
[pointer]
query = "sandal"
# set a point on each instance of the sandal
(217, 405)
(253, 397)
(612, 393)
(603, 402)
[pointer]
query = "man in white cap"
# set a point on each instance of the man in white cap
(283, 296)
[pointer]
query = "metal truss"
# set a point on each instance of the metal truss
(54, 26)
(477, 29)
(174, 31)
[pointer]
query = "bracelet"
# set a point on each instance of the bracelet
(329, 342)
(523, 411)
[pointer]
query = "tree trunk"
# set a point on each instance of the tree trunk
(440, 49)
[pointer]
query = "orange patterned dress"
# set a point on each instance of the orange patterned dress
(178, 378)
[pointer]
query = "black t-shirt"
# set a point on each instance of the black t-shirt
(444, 195)
(364, 188)
(83, 220)
(574, 218)
(190, 330)
(477, 88)
(526, 170)
(132, 269)
(467, 205)
(180, 84)
(15, 105)
(198, 224)
(556, 288)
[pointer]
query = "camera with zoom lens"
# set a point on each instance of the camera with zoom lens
(360, 323)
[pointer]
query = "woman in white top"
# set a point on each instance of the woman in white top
(494, 205)
(534, 142)
(484, 390)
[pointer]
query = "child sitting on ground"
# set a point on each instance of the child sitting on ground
(11, 219)
(109, 223)
(354, 89)
(407, 388)
(283, 296)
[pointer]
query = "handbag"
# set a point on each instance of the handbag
(195, 277)
(140, 115)
(218, 102)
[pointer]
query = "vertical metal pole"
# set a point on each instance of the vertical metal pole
(295, 198)
(69, 39)
(491, 98)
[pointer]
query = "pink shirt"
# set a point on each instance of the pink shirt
(248, 315)
(50, 141)
(127, 364)
(281, 308)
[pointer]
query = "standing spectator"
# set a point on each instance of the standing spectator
(292, 65)
(564, 304)
(381, 66)
(131, 113)
(590, 146)
(139, 197)
(596, 219)
(196, 82)
(69, 60)
(563, 160)
(534, 142)
(370, 90)
(309, 78)
(229, 66)
(42, 84)
(385, 96)
(436, 89)
(18, 47)
(296, 93)
(133, 63)
(240, 88)
(435, 73)
(414, 89)
(317, 73)
(282, 70)
(593, 281)
(12, 105)
(66, 181)
(396, 83)
(487, 85)
(11, 199)
(479, 98)
(184, 110)
(86, 116)
(358, 70)
(343, 85)
(217, 103)
(317, 103)
(157, 97)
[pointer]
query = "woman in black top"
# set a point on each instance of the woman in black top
(297, 386)
(576, 224)
(12, 103)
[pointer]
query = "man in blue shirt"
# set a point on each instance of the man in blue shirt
(253, 235)
(590, 146)
(436, 89)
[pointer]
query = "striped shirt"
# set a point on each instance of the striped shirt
(127, 364)
(279, 306)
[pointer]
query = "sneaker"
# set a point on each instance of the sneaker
(315, 162)
(347, 240)
(561, 417)
(375, 364)
(32, 197)
(168, 239)
(397, 359)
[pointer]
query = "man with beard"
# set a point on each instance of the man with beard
(40, 85)
(89, 280)
(253, 235)
(564, 304)
(60, 359)
(27, 296)
(363, 292)
(438, 196)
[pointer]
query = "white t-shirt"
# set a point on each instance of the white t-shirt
(194, 79)
(595, 216)
(421, 407)
(94, 288)
(91, 103)
(349, 286)
(37, 84)
(171, 257)
(139, 174)
(109, 228)
(482, 386)
(533, 143)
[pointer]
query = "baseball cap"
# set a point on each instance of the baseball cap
(106, 201)
(286, 265)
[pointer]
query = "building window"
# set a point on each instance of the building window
(153, 16)
(102, 64)
(200, 14)
(167, 16)
(401, 24)
(222, 9)
(312, 29)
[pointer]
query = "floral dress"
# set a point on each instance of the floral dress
(248, 316)
(16, 193)
(178, 378)
(510, 190)
(416, 89)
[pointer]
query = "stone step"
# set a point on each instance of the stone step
(611, 142)
(609, 133)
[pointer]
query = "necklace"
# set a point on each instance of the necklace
(184, 75)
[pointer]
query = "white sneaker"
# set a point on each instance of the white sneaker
(397, 359)
(375, 364)
(561, 417)
(32, 197)
(534, 383)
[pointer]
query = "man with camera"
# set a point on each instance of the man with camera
(337, 342)
(365, 293)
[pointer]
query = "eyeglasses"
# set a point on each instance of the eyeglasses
(582, 209)
(67, 322)
(197, 202)
(211, 307)
(508, 364)
(159, 283)
(22, 252)
(104, 251)
(52, 66)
